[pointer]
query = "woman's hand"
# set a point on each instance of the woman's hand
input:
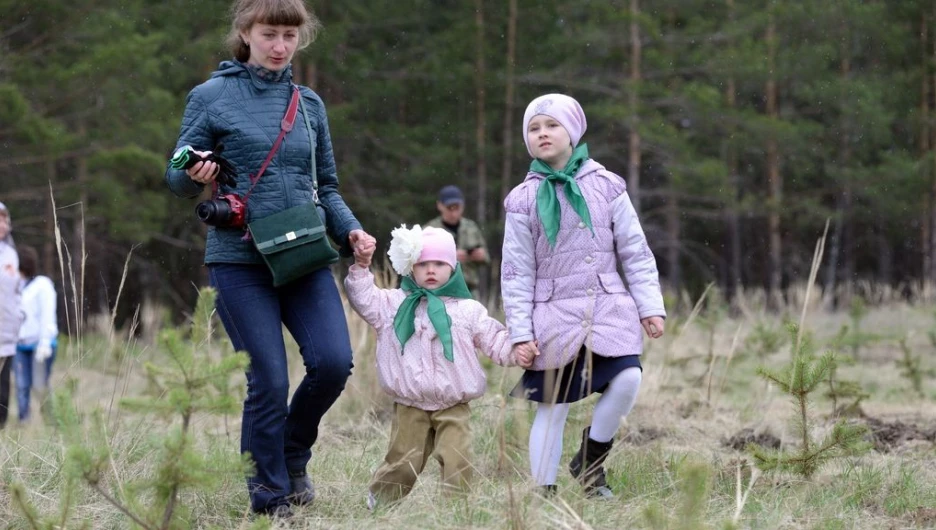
(653, 326)
(203, 172)
(363, 245)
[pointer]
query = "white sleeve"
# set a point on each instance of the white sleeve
(518, 277)
(640, 268)
(48, 319)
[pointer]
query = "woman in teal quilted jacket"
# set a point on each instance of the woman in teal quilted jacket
(241, 106)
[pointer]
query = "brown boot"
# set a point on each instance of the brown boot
(586, 466)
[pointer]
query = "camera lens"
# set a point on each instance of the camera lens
(213, 212)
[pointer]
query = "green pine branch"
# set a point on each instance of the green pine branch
(799, 380)
(188, 382)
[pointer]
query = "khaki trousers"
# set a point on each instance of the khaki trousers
(416, 434)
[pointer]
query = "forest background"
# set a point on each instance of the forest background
(739, 126)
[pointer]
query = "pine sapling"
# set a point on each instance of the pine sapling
(190, 382)
(799, 380)
(910, 367)
(848, 393)
(853, 336)
(764, 340)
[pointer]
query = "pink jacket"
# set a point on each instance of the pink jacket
(572, 295)
(419, 375)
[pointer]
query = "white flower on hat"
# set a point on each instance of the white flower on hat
(405, 248)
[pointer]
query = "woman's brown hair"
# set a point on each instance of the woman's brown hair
(246, 13)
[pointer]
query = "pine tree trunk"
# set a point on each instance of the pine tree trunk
(481, 213)
(673, 232)
(673, 219)
(926, 226)
(733, 259)
(842, 233)
(633, 143)
(929, 152)
(510, 85)
(774, 179)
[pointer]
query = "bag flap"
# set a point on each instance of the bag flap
(287, 229)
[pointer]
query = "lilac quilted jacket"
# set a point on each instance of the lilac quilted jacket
(572, 295)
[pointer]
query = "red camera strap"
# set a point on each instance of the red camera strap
(286, 125)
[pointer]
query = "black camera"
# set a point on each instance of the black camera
(224, 210)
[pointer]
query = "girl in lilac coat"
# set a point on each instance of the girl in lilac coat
(570, 223)
(428, 332)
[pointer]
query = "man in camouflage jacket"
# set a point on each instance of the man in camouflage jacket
(472, 250)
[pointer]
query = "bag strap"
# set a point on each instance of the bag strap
(286, 125)
(305, 115)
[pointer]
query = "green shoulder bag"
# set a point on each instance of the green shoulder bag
(293, 242)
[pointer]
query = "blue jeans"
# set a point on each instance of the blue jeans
(23, 371)
(278, 436)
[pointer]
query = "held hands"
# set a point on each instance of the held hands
(461, 255)
(525, 353)
(364, 246)
(653, 326)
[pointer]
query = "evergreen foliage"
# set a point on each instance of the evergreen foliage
(911, 367)
(91, 95)
(196, 380)
(798, 380)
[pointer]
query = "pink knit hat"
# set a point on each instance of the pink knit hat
(561, 108)
(438, 245)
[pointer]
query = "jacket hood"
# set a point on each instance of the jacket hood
(235, 68)
(588, 166)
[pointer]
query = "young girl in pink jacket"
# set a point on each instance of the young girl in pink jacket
(569, 225)
(428, 332)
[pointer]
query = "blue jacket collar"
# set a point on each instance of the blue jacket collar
(235, 68)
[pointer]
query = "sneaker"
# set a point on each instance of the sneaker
(301, 490)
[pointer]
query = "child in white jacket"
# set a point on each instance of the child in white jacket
(11, 313)
(38, 336)
(427, 335)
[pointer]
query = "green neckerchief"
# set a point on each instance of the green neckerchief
(547, 203)
(404, 321)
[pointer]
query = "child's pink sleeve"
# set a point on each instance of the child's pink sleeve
(491, 337)
(366, 299)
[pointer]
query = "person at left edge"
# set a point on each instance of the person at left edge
(11, 312)
(242, 106)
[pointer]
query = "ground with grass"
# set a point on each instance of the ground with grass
(679, 461)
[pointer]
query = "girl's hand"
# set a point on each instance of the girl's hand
(203, 172)
(362, 258)
(363, 245)
(653, 326)
(525, 353)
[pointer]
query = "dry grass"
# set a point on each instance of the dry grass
(681, 420)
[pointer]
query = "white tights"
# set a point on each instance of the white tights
(546, 433)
